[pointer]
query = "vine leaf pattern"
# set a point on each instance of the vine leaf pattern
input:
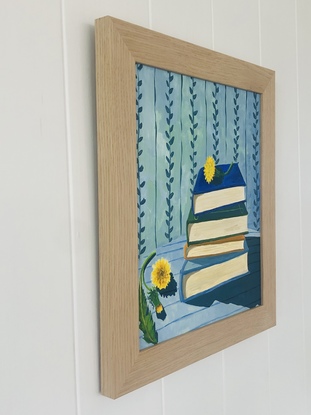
(236, 127)
(169, 135)
(179, 93)
(255, 160)
(194, 136)
(215, 124)
(140, 168)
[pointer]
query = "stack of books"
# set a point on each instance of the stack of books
(216, 250)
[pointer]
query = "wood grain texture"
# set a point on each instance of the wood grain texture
(119, 45)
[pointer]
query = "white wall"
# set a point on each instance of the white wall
(48, 219)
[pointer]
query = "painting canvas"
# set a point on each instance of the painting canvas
(198, 202)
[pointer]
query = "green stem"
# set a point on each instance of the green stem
(150, 334)
(143, 268)
(229, 168)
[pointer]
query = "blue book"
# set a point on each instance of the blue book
(200, 276)
(209, 196)
(220, 223)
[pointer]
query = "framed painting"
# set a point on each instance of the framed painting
(186, 203)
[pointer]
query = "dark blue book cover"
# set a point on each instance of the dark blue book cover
(228, 189)
(225, 221)
(233, 179)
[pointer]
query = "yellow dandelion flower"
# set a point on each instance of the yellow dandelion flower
(209, 169)
(161, 274)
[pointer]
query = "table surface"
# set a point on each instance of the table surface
(232, 297)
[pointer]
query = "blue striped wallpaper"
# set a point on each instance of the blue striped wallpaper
(180, 121)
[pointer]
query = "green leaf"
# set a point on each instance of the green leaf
(153, 297)
(146, 323)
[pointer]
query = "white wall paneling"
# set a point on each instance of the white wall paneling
(304, 93)
(279, 51)
(49, 359)
(36, 314)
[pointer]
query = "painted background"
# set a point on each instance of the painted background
(180, 121)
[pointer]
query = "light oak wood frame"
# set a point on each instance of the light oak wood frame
(119, 46)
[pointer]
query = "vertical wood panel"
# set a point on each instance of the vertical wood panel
(186, 20)
(245, 365)
(197, 389)
(247, 377)
(304, 94)
(37, 356)
(79, 30)
(236, 29)
(286, 343)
